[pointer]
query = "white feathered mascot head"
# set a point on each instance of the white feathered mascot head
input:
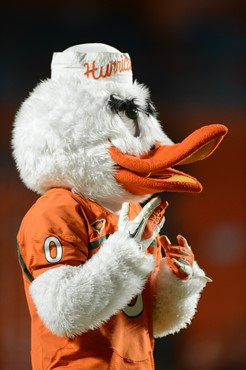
(92, 129)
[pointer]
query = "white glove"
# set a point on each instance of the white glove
(135, 228)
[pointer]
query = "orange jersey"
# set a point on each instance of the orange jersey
(64, 228)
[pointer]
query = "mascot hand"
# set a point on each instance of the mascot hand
(135, 228)
(180, 258)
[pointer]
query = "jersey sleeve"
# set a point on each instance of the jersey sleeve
(53, 233)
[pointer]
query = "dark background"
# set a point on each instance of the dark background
(192, 56)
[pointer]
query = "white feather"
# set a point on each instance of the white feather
(175, 300)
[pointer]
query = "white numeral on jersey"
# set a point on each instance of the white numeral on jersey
(56, 241)
(136, 308)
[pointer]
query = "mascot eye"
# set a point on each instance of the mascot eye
(132, 113)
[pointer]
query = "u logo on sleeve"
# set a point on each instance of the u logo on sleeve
(98, 225)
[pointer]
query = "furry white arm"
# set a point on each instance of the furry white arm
(175, 300)
(72, 300)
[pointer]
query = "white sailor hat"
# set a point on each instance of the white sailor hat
(92, 62)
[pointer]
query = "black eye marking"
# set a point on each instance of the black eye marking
(130, 107)
(151, 108)
(116, 105)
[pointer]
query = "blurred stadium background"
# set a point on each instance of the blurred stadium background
(192, 56)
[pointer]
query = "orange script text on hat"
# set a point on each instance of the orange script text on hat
(110, 68)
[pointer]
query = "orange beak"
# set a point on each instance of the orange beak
(152, 172)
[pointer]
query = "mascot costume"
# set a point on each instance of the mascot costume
(98, 286)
